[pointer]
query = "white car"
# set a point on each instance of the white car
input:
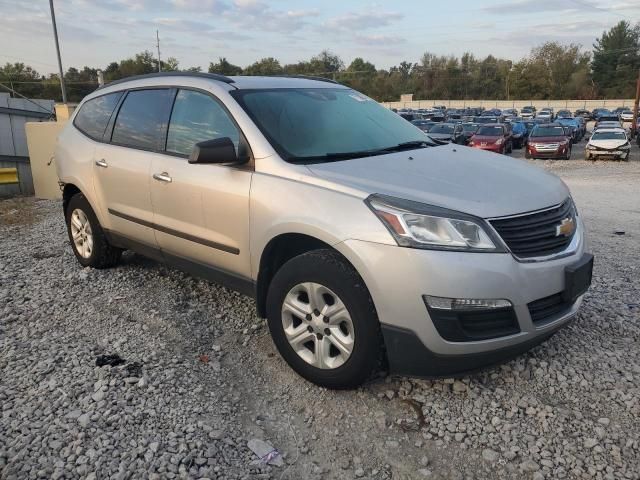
(626, 116)
(609, 143)
(545, 115)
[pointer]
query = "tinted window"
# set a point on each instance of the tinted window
(197, 117)
(94, 115)
(141, 118)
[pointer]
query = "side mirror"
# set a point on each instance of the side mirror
(220, 150)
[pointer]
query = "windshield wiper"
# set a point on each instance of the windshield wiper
(337, 156)
(410, 145)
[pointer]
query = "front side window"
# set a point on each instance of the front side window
(197, 117)
(141, 119)
(317, 124)
(94, 115)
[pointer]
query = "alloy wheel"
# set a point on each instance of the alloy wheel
(81, 233)
(318, 325)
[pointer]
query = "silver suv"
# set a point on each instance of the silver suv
(363, 243)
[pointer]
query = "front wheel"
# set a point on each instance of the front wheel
(323, 321)
(88, 240)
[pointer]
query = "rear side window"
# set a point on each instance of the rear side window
(197, 117)
(94, 115)
(141, 119)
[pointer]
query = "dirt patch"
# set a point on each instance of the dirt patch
(19, 211)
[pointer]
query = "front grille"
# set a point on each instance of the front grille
(548, 307)
(545, 146)
(535, 234)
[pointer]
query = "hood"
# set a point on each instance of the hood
(459, 178)
(607, 144)
(547, 139)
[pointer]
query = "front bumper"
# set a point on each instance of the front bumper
(490, 147)
(398, 278)
(542, 152)
(614, 153)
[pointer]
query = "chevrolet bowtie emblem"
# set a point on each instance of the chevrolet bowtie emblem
(566, 227)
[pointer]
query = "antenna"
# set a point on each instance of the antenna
(158, 47)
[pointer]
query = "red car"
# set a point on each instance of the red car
(549, 141)
(494, 137)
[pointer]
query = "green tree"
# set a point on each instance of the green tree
(266, 66)
(223, 67)
(616, 60)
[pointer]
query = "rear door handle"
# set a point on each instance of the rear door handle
(102, 163)
(162, 177)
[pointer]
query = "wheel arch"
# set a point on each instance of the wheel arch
(282, 248)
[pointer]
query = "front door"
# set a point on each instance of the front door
(201, 212)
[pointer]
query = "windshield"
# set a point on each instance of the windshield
(548, 132)
(608, 136)
(337, 123)
(489, 131)
(441, 129)
(470, 127)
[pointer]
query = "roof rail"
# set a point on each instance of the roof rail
(308, 77)
(210, 76)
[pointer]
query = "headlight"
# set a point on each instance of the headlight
(417, 225)
(590, 147)
(626, 146)
(499, 141)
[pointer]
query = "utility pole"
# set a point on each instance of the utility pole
(158, 47)
(634, 122)
(55, 36)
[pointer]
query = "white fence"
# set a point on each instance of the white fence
(556, 104)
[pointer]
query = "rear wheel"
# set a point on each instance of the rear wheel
(88, 240)
(323, 321)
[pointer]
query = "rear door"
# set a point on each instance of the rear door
(123, 165)
(201, 211)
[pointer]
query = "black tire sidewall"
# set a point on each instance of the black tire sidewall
(330, 269)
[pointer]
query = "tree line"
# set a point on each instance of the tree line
(550, 71)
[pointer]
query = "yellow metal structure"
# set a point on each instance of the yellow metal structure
(8, 175)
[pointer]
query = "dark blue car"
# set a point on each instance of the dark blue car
(519, 134)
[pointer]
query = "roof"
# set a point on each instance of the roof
(241, 82)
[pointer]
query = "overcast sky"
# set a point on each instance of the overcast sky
(94, 32)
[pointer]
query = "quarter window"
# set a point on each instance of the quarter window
(141, 119)
(94, 115)
(197, 117)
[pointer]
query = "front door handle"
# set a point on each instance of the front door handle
(102, 163)
(162, 177)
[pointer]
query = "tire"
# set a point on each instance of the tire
(527, 155)
(98, 253)
(335, 278)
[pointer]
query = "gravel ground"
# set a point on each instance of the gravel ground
(200, 377)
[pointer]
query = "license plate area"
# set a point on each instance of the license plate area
(577, 278)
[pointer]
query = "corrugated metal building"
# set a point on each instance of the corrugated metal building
(14, 113)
